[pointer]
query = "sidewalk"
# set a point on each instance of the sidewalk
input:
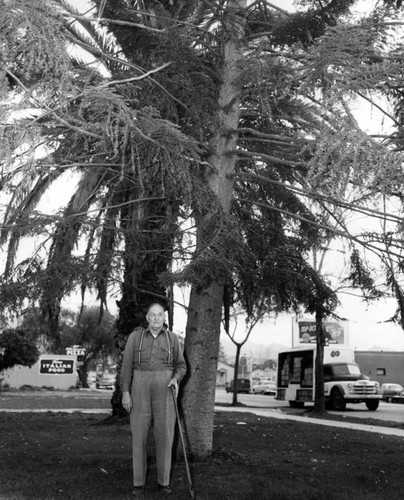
(276, 413)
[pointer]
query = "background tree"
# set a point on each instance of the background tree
(235, 337)
(19, 349)
(95, 334)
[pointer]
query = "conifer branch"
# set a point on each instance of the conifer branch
(269, 4)
(114, 21)
(320, 197)
(247, 130)
(49, 110)
(98, 53)
(263, 156)
(373, 248)
(134, 78)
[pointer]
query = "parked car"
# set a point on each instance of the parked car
(243, 385)
(264, 387)
(392, 393)
(105, 381)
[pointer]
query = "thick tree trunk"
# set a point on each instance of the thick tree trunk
(205, 307)
(201, 351)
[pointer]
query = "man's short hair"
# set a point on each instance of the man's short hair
(155, 304)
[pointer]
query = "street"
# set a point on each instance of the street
(386, 412)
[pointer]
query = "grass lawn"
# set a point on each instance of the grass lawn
(78, 456)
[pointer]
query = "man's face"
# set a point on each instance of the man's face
(156, 317)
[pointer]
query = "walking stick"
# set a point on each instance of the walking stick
(191, 489)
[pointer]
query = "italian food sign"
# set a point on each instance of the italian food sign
(55, 366)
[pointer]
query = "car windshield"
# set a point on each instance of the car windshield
(346, 369)
(394, 387)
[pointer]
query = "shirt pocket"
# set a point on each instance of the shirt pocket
(162, 354)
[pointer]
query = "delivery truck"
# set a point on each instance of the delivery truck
(343, 381)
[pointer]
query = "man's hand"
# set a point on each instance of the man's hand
(127, 401)
(174, 383)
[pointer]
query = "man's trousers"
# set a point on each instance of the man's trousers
(152, 402)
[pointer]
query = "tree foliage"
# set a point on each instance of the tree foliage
(19, 349)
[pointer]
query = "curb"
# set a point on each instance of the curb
(390, 431)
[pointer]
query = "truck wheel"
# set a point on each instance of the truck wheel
(372, 404)
(296, 404)
(337, 400)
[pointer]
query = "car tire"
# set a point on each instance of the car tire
(337, 401)
(389, 400)
(372, 404)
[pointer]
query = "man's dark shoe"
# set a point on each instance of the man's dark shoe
(166, 490)
(138, 491)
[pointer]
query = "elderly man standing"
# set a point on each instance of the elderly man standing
(152, 364)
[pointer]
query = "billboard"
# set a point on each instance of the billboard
(334, 332)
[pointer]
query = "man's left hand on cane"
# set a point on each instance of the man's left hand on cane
(174, 383)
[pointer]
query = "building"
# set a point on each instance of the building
(224, 374)
(382, 366)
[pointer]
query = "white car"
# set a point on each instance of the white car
(264, 387)
(105, 381)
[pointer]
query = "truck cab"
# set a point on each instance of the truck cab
(342, 371)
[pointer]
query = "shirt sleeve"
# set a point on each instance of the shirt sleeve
(127, 363)
(180, 366)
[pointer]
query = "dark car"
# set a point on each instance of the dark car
(392, 393)
(243, 385)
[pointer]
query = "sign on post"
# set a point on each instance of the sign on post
(77, 350)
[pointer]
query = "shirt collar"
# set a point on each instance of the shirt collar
(162, 331)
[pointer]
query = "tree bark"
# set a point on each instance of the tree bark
(235, 379)
(319, 398)
(201, 351)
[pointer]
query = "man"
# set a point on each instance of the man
(153, 364)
